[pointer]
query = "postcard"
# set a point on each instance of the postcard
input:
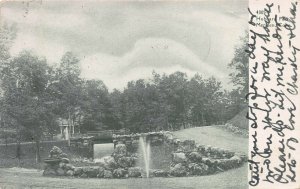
(149, 94)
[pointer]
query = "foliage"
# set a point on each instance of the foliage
(172, 102)
(34, 95)
(240, 65)
(96, 107)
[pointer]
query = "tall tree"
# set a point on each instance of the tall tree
(97, 109)
(69, 88)
(7, 35)
(240, 69)
(25, 101)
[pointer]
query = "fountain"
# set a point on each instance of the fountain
(145, 147)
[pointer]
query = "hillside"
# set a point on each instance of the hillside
(240, 120)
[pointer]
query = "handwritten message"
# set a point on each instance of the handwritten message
(274, 133)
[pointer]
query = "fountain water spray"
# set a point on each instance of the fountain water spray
(145, 146)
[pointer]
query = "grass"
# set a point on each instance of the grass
(233, 179)
(214, 136)
(28, 156)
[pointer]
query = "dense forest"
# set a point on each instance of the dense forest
(34, 95)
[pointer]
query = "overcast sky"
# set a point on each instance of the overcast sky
(122, 41)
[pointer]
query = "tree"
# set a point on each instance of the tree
(196, 88)
(175, 86)
(7, 35)
(96, 107)
(118, 105)
(240, 65)
(68, 88)
(25, 97)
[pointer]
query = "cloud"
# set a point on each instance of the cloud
(159, 54)
(40, 46)
(119, 41)
(44, 18)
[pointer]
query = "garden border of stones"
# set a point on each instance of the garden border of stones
(235, 130)
(188, 159)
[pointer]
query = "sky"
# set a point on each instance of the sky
(122, 41)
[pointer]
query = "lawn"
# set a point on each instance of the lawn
(214, 136)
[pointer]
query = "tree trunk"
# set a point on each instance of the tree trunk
(18, 152)
(6, 142)
(79, 123)
(37, 151)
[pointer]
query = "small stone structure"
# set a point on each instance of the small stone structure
(58, 164)
(186, 158)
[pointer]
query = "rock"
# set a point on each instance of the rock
(119, 173)
(70, 173)
(195, 157)
(125, 162)
(60, 172)
(168, 136)
(108, 162)
(49, 172)
(144, 174)
(160, 173)
(107, 174)
(84, 175)
(224, 164)
(134, 172)
(65, 160)
(133, 160)
(243, 157)
(201, 149)
(188, 145)
(100, 172)
(204, 167)
(207, 161)
(78, 171)
(179, 170)
(236, 159)
(91, 172)
(46, 166)
(176, 141)
(214, 150)
(99, 160)
(221, 152)
(63, 155)
(55, 152)
(179, 157)
(208, 148)
(195, 169)
(229, 154)
(62, 165)
(85, 160)
(120, 150)
(69, 166)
